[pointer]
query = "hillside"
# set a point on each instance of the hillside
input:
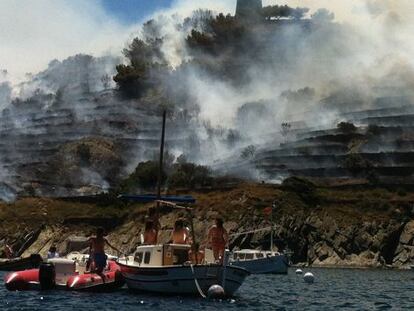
(260, 97)
(341, 226)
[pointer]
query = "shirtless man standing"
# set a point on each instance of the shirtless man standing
(180, 234)
(97, 250)
(218, 239)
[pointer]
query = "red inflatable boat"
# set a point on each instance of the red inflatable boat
(61, 274)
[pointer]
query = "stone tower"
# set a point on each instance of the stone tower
(248, 8)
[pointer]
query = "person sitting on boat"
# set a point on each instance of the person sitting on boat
(97, 250)
(218, 239)
(150, 234)
(8, 251)
(52, 253)
(180, 234)
(195, 255)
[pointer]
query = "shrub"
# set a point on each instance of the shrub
(189, 175)
(145, 176)
(248, 152)
(302, 187)
(357, 165)
(346, 127)
(401, 192)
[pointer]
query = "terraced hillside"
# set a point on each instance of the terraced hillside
(375, 144)
(73, 134)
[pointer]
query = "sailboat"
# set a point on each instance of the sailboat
(167, 268)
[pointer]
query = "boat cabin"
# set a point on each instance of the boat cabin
(251, 254)
(163, 255)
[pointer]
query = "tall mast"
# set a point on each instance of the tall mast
(160, 165)
(272, 226)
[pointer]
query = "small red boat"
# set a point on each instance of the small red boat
(61, 274)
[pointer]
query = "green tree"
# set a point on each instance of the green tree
(346, 127)
(146, 65)
(144, 176)
(189, 175)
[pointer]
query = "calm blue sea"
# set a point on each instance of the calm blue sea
(334, 289)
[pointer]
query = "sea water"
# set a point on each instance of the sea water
(333, 289)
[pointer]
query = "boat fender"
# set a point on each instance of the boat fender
(309, 278)
(47, 276)
(298, 271)
(215, 292)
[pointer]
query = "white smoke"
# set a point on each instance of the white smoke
(366, 51)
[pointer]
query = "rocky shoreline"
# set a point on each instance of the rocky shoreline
(321, 234)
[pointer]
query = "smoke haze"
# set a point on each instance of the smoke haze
(348, 51)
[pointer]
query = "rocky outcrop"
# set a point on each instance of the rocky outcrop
(404, 254)
(324, 241)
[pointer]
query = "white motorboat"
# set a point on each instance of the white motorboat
(166, 269)
(260, 262)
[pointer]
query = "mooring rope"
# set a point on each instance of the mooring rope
(200, 291)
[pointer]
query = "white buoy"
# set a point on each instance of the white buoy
(309, 277)
(298, 271)
(215, 291)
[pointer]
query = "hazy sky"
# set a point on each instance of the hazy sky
(132, 11)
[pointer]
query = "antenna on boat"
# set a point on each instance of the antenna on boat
(160, 165)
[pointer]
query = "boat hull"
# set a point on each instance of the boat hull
(108, 281)
(29, 280)
(277, 264)
(181, 280)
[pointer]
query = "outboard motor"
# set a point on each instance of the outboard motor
(47, 276)
(35, 260)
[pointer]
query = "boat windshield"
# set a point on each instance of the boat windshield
(249, 256)
(138, 257)
(147, 257)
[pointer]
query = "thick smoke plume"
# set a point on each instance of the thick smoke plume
(338, 58)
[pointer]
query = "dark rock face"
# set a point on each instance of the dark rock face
(404, 253)
(321, 241)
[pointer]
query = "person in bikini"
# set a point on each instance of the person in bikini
(180, 234)
(97, 251)
(218, 239)
(150, 234)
